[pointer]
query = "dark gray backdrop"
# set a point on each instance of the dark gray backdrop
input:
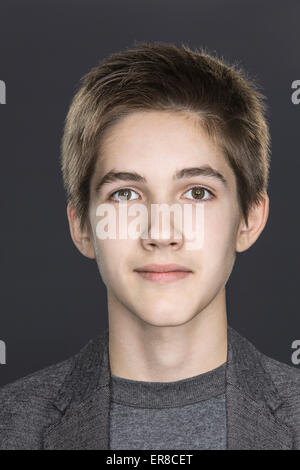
(52, 298)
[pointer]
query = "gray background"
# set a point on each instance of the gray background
(52, 298)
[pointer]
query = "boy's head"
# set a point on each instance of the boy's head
(153, 111)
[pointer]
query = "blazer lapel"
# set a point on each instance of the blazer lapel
(252, 401)
(84, 402)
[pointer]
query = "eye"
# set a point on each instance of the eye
(124, 194)
(199, 191)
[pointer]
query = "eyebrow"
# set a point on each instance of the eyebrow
(129, 176)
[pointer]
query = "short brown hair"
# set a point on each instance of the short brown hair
(161, 76)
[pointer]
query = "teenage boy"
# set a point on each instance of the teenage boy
(160, 124)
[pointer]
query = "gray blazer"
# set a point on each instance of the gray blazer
(66, 405)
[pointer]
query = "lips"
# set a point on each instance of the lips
(162, 268)
(163, 273)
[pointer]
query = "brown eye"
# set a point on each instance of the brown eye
(198, 193)
(124, 194)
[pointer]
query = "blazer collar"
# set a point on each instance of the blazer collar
(252, 401)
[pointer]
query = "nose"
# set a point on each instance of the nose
(162, 235)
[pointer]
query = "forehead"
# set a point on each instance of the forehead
(157, 143)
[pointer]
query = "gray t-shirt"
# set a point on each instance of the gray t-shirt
(181, 415)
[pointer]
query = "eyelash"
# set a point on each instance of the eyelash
(212, 196)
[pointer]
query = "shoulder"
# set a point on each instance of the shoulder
(26, 405)
(285, 377)
(286, 380)
(32, 403)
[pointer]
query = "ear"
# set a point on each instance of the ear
(257, 220)
(81, 238)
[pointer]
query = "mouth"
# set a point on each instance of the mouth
(163, 273)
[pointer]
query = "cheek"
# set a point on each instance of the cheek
(113, 256)
(219, 241)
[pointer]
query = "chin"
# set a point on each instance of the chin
(165, 319)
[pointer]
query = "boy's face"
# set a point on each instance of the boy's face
(156, 145)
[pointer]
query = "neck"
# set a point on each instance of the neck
(144, 352)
